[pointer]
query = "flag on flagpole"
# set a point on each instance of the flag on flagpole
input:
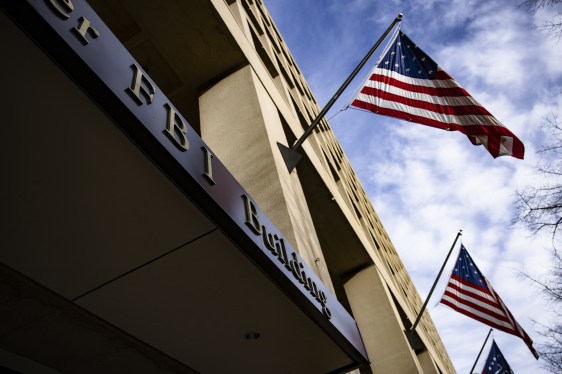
(407, 84)
(496, 363)
(468, 292)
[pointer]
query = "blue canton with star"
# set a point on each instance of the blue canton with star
(466, 269)
(405, 58)
(496, 363)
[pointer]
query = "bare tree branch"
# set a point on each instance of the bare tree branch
(551, 288)
(539, 207)
(553, 26)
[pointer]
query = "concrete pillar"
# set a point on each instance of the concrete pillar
(427, 364)
(379, 322)
(241, 125)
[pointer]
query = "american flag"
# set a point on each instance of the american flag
(469, 293)
(496, 363)
(407, 84)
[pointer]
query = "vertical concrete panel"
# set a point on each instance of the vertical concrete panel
(241, 124)
(378, 320)
(427, 364)
(232, 124)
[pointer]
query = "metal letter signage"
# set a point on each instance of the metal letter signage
(74, 35)
(62, 7)
(276, 245)
(208, 173)
(176, 129)
(83, 29)
(140, 86)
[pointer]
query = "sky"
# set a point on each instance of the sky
(426, 183)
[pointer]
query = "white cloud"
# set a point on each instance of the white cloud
(426, 183)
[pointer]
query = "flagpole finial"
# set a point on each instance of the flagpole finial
(399, 16)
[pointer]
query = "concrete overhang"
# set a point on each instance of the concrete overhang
(184, 46)
(113, 254)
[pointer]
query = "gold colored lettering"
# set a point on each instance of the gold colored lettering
(140, 86)
(252, 219)
(269, 240)
(208, 165)
(176, 129)
(324, 302)
(84, 27)
(63, 7)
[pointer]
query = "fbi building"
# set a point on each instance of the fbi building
(149, 221)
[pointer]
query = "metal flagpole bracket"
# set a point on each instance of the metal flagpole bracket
(290, 155)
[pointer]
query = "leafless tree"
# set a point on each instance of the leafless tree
(551, 287)
(553, 25)
(539, 207)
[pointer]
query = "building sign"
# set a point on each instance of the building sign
(72, 33)
(276, 245)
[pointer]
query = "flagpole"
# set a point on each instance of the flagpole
(481, 349)
(290, 155)
(413, 328)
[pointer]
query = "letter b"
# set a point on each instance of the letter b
(176, 129)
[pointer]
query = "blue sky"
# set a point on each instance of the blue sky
(426, 183)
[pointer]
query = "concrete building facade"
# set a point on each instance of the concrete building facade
(149, 222)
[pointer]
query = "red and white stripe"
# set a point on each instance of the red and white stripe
(483, 304)
(440, 102)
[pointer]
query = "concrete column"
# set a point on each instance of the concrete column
(379, 322)
(427, 364)
(241, 125)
